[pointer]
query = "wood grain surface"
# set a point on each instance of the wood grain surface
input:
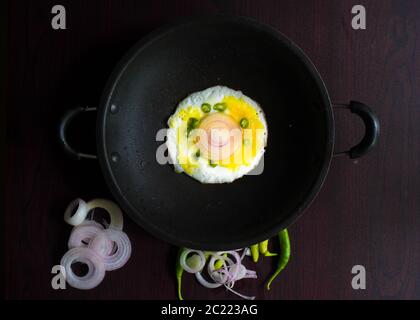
(367, 213)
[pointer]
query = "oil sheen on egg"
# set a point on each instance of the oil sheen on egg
(217, 135)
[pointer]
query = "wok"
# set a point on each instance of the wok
(192, 55)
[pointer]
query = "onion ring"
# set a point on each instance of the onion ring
(205, 283)
(247, 252)
(231, 271)
(241, 272)
(186, 267)
(220, 275)
(113, 260)
(96, 272)
(240, 294)
(219, 136)
(79, 216)
(115, 214)
(234, 274)
(83, 234)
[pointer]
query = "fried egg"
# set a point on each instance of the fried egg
(216, 135)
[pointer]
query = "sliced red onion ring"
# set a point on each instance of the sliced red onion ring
(240, 294)
(232, 274)
(192, 269)
(83, 234)
(251, 272)
(79, 216)
(231, 271)
(241, 273)
(205, 283)
(220, 275)
(243, 254)
(220, 136)
(247, 252)
(116, 259)
(96, 271)
(115, 214)
(248, 276)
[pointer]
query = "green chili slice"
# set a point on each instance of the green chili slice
(191, 124)
(244, 123)
(212, 164)
(220, 106)
(205, 107)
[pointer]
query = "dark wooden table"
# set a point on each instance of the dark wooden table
(367, 213)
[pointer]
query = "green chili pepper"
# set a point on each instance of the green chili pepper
(179, 271)
(205, 107)
(244, 123)
(219, 263)
(255, 252)
(284, 255)
(191, 124)
(270, 254)
(263, 246)
(220, 107)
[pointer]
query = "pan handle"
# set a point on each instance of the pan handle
(372, 129)
(62, 129)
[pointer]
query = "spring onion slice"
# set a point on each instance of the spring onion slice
(79, 216)
(96, 268)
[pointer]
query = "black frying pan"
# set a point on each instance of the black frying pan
(190, 56)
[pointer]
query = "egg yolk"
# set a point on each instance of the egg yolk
(220, 136)
(221, 145)
(253, 134)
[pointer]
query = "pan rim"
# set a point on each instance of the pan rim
(106, 163)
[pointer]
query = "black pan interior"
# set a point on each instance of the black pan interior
(191, 56)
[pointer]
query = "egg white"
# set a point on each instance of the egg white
(203, 172)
